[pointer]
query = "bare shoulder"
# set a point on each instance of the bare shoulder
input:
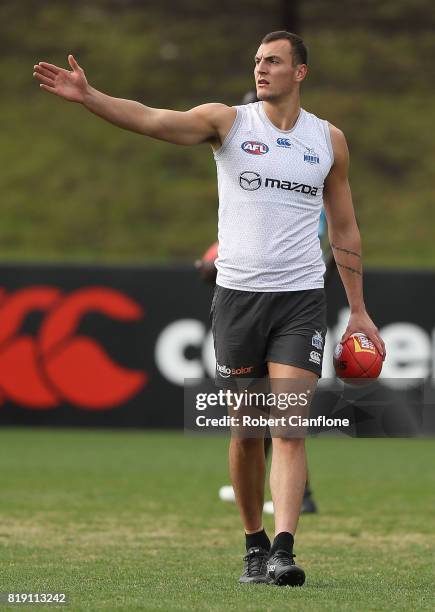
(337, 137)
(220, 116)
(215, 112)
(339, 145)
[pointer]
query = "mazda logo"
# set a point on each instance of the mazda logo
(250, 181)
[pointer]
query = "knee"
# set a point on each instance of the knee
(290, 443)
(248, 444)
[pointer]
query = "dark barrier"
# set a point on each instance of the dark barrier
(111, 346)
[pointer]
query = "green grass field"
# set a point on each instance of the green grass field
(131, 521)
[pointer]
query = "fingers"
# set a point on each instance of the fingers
(46, 81)
(50, 67)
(346, 335)
(45, 73)
(380, 345)
(48, 88)
(72, 62)
(374, 337)
(42, 73)
(378, 342)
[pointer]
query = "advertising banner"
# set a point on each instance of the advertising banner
(113, 346)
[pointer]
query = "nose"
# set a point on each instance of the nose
(261, 67)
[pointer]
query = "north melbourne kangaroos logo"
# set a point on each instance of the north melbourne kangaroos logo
(317, 340)
(310, 156)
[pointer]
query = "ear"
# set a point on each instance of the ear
(301, 72)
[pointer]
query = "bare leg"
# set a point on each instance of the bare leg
(287, 482)
(288, 472)
(247, 471)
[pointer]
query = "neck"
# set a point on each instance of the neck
(283, 112)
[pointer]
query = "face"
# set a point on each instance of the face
(275, 75)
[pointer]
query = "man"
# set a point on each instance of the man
(276, 165)
(207, 270)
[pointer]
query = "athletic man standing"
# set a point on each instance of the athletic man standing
(277, 164)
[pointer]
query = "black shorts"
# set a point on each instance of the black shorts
(252, 328)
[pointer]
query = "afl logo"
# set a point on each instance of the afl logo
(254, 147)
(250, 181)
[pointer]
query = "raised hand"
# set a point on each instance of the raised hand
(68, 84)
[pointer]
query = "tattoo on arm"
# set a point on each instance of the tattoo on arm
(347, 251)
(349, 268)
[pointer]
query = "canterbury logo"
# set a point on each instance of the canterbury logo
(58, 366)
(250, 181)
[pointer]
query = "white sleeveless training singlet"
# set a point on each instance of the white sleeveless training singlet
(270, 185)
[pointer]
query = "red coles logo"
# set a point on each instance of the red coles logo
(59, 366)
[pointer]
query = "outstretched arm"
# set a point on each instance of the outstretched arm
(205, 123)
(345, 240)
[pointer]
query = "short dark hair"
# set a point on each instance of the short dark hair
(300, 51)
